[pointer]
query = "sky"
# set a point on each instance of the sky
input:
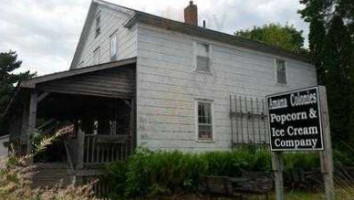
(45, 33)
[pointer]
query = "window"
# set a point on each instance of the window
(281, 71)
(96, 56)
(113, 41)
(203, 57)
(205, 127)
(98, 25)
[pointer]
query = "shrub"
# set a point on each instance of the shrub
(148, 173)
(304, 160)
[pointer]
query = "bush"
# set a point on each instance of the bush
(148, 173)
(151, 173)
(306, 161)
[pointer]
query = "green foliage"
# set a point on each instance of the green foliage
(152, 173)
(286, 37)
(331, 42)
(338, 52)
(316, 38)
(8, 79)
(301, 160)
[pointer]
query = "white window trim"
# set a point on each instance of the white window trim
(203, 100)
(276, 72)
(195, 54)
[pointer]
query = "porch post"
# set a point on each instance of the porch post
(132, 125)
(80, 149)
(31, 120)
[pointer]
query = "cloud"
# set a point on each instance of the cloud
(45, 32)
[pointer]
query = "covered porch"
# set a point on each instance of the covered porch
(97, 106)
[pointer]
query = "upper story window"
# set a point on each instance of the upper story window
(98, 24)
(205, 125)
(96, 55)
(203, 57)
(113, 46)
(281, 71)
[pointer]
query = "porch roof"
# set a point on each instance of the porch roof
(113, 80)
(31, 83)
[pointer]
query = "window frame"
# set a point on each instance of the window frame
(276, 72)
(195, 53)
(113, 35)
(98, 24)
(211, 102)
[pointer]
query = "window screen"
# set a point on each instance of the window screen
(203, 58)
(205, 128)
(281, 71)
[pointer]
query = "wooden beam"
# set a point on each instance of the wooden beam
(42, 96)
(31, 120)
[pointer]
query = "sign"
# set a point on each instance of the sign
(295, 121)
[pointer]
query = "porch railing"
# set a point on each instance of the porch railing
(100, 149)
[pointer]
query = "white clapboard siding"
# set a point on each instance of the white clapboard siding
(168, 86)
(111, 21)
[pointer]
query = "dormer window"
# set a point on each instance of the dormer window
(203, 57)
(98, 25)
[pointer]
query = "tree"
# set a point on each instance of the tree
(337, 58)
(316, 38)
(8, 80)
(286, 37)
(331, 41)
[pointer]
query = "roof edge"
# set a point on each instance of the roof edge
(197, 31)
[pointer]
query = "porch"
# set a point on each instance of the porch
(96, 104)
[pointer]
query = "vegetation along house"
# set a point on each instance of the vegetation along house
(139, 79)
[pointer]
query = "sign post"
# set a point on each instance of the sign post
(326, 155)
(298, 121)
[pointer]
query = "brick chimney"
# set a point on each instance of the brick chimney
(191, 14)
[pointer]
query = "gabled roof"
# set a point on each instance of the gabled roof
(31, 83)
(90, 16)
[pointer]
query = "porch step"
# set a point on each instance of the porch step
(51, 174)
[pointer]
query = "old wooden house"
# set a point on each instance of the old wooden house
(139, 79)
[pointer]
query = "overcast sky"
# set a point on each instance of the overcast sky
(45, 32)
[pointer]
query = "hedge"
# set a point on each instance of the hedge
(150, 173)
